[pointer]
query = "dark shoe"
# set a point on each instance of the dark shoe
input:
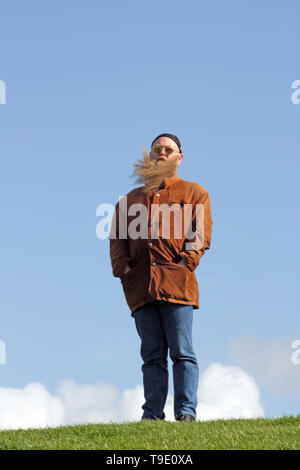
(155, 418)
(188, 418)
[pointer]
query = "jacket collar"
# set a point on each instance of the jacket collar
(169, 181)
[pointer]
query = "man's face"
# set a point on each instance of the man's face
(164, 149)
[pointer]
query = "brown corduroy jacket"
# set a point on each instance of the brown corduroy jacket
(153, 253)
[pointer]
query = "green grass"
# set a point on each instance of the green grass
(261, 433)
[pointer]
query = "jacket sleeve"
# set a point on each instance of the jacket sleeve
(192, 256)
(119, 247)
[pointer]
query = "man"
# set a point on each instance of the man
(156, 266)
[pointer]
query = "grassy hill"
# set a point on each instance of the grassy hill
(262, 433)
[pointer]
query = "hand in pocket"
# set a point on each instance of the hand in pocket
(127, 269)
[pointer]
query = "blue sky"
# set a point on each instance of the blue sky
(88, 84)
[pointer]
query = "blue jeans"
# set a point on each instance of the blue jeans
(161, 326)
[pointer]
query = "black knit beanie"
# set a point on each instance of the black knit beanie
(171, 136)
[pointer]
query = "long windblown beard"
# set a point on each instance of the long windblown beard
(151, 173)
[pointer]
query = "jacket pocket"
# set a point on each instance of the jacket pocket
(124, 276)
(175, 281)
(181, 266)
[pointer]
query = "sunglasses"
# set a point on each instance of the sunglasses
(157, 149)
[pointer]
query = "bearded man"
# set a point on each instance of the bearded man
(156, 267)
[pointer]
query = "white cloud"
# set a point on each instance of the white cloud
(227, 392)
(271, 362)
(32, 406)
(224, 392)
(102, 403)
